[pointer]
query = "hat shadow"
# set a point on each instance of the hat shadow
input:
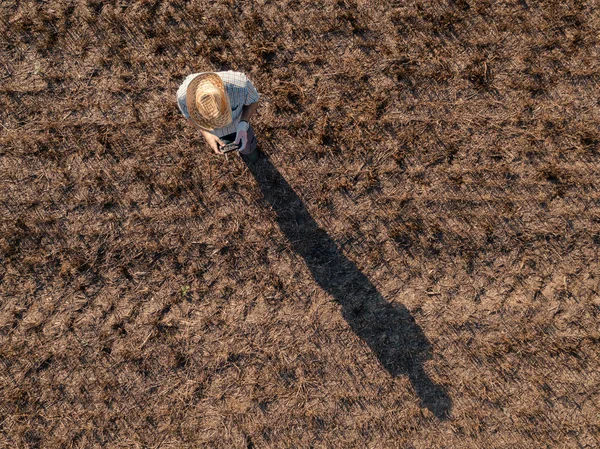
(388, 329)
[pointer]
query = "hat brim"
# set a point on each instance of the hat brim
(224, 117)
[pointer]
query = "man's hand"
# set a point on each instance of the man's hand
(213, 141)
(241, 138)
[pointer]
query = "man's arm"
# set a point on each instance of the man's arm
(241, 137)
(248, 111)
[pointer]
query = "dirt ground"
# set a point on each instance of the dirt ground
(412, 264)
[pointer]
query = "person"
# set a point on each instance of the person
(220, 105)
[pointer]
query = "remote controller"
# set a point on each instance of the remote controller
(228, 148)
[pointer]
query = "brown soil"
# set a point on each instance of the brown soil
(414, 264)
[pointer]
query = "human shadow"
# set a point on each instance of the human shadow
(388, 329)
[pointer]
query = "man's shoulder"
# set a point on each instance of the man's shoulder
(236, 78)
(228, 73)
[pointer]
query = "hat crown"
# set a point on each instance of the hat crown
(208, 101)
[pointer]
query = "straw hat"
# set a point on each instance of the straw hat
(207, 101)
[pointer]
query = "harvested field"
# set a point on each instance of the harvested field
(413, 264)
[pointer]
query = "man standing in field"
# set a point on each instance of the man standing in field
(220, 105)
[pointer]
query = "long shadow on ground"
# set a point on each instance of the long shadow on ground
(388, 329)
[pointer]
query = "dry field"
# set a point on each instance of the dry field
(413, 264)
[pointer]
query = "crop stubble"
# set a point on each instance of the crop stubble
(148, 297)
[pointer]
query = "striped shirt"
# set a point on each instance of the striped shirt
(241, 93)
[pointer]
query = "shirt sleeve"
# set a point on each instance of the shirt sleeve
(181, 102)
(252, 94)
(182, 95)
